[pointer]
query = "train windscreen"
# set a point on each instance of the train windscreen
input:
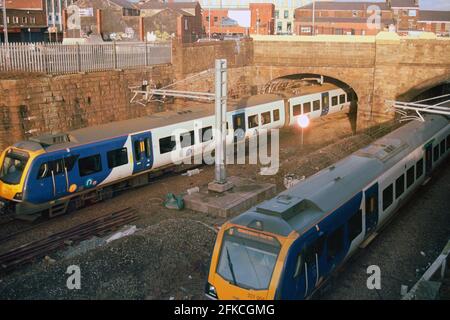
(13, 166)
(247, 259)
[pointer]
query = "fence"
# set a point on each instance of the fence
(63, 59)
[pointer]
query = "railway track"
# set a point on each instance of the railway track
(34, 250)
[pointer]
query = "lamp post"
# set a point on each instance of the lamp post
(303, 122)
(5, 23)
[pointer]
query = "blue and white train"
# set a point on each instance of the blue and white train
(56, 173)
(287, 247)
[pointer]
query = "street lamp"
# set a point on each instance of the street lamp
(5, 22)
(303, 122)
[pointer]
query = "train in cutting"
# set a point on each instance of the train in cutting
(53, 174)
(289, 246)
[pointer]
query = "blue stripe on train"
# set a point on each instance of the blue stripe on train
(299, 287)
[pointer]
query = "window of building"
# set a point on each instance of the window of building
(167, 144)
(265, 117)
(286, 14)
(355, 225)
(305, 30)
(16, 20)
(316, 105)
(207, 18)
(442, 147)
(410, 177)
(354, 13)
(33, 20)
(24, 20)
(388, 197)
(117, 158)
(186, 26)
(419, 168)
(253, 121)
(216, 19)
(279, 26)
(342, 99)
(7, 19)
(277, 14)
(335, 243)
(334, 101)
(399, 186)
(206, 134)
(297, 110)
(187, 139)
(276, 115)
(90, 165)
(412, 13)
(307, 107)
(288, 27)
(436, 153)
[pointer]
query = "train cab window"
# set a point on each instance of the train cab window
(297, 110)
(276, 115)
(69, 162)
(137, 150)
(334, 101)
(335, 243)
(90, 165)
(57, 166)
(436, 153)
(410, 177)
(442, 147)
(117, 158)
(265, 117)
(308, 255)
(355, 225)
(187, 139)
(342, 99)
(419, 168)
(388, 197)
(448, 142)
(316, 105)
(167, 144)
(306, 107)
(206, 133)
(253, 121)
(148, 147)
(399, 186)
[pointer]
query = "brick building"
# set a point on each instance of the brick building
(347, 18)
(405, 14)
(259, 18)
(26, 21)
(434, 21)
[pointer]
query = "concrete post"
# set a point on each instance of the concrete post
(220, 183)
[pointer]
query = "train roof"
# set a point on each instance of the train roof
(305, 204)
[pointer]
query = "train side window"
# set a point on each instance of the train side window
(448, 142)
(69, 162)
(167, 144)
(297, 110)
(334, 101)
(399, 186)
(265, 118)
(253, 121)
(436, 153)
(148, 147)
(307, 107)
(206, 134)
(355, 225)
(442, 147)
(187, 139)
(137, 150)
(419, 168)
(117, 158)
(388, 197)
(315, 248)
(342, 99)
(276, 115)
(316, 105)
(90, 165)
(335, 243)
(410, 177)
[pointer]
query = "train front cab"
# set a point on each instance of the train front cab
(15, 164)
(246, 264)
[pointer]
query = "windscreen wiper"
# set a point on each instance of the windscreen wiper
(230, 265)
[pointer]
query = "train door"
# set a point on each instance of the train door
(428, 159)
(371, 204)
(239, 126)
(142, 151)
(58, 173)
(325, 103)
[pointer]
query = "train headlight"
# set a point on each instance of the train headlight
(211, 290)
(18, 196)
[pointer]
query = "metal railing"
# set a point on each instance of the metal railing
(58, 58)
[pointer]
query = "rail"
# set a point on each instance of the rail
(56, 58)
